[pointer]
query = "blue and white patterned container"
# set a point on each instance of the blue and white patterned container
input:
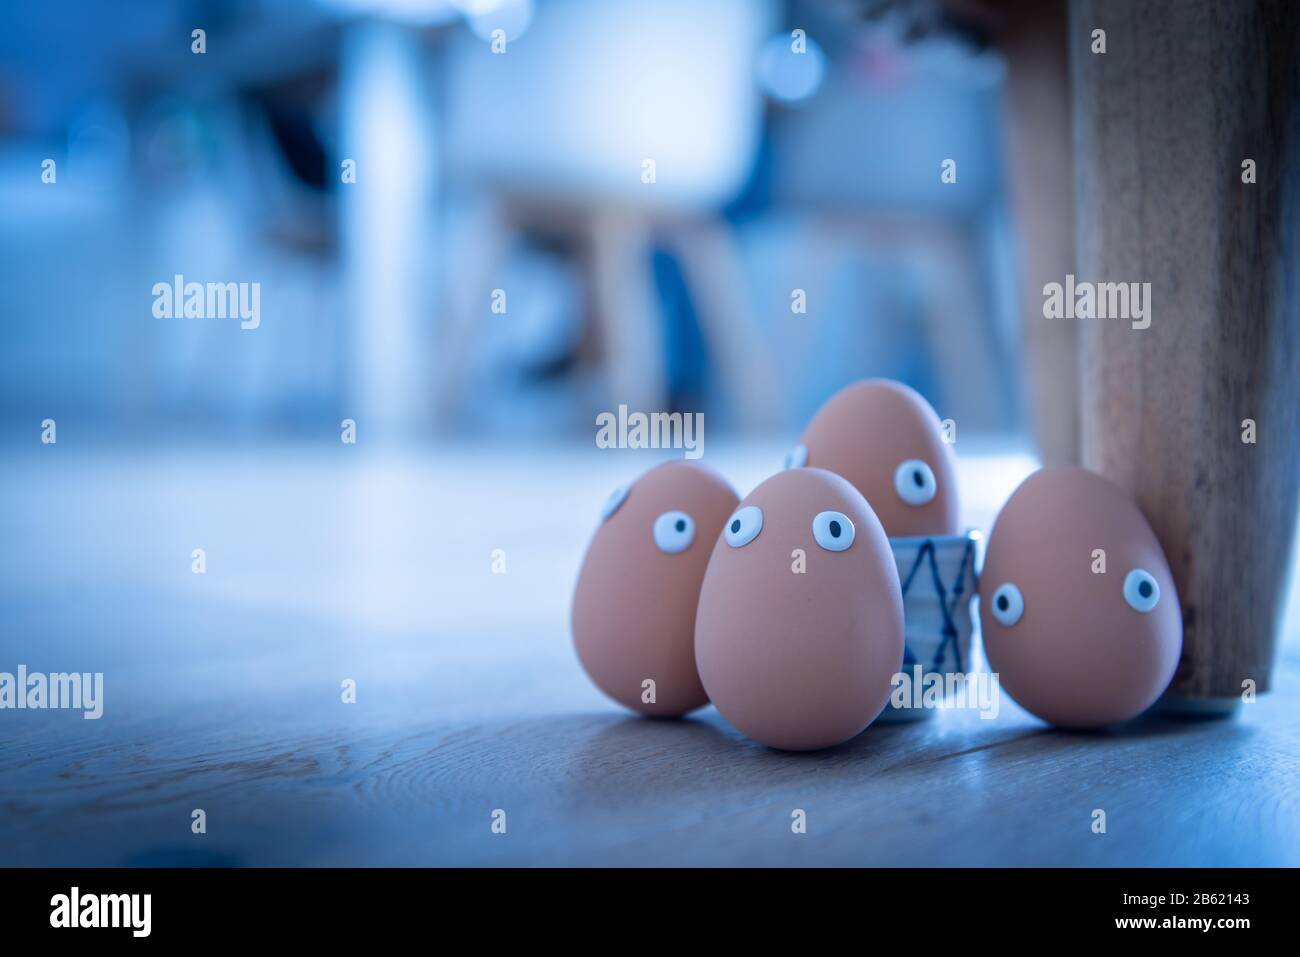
(939, 576)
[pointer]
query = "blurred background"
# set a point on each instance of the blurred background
(475, 225)
(735, 207)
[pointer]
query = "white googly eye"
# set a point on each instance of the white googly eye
(1007, 604)
(833, 531)
(616, 498)
(1141, 590)
(744, 526)
(797, 457)
(914, 482)
(674, 532)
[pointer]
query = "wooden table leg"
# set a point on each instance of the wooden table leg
(1164, 119)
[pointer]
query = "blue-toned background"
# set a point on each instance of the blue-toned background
(521, 172)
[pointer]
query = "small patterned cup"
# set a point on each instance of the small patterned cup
(939, 578)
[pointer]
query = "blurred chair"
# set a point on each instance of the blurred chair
(639, 136)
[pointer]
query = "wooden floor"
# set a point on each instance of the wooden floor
(223, 692)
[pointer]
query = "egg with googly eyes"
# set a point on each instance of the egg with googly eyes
(634, 603)
(889, 443)
(800, 626)
(1078, 609)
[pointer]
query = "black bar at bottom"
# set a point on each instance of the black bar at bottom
(333, 905)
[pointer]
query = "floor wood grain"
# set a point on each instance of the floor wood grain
(222, 692)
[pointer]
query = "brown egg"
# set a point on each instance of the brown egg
(634, 604)
(800, 627)
(887, 441)
(1077, 647)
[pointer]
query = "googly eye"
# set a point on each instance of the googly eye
(797, 457)
(1141, 590)
(674, 532)
(833, 531)
(914, 482)
(616, 498)
(1007, 604)
(744, 526)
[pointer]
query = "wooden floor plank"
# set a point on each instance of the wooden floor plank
(223, 693)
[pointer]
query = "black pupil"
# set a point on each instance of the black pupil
(681, 525)
(835, 529)
(918, 478)
(735, 526)
(1145, 589)
(1003, 604)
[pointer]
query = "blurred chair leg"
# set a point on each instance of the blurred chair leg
(619, 250)
(1039, 158)
(714, 272)
(960, 329)
(481, 246)
(388, 222)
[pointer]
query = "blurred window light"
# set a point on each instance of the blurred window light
(790, 68)
(423, 13)
(486, 17)
(566, 115)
